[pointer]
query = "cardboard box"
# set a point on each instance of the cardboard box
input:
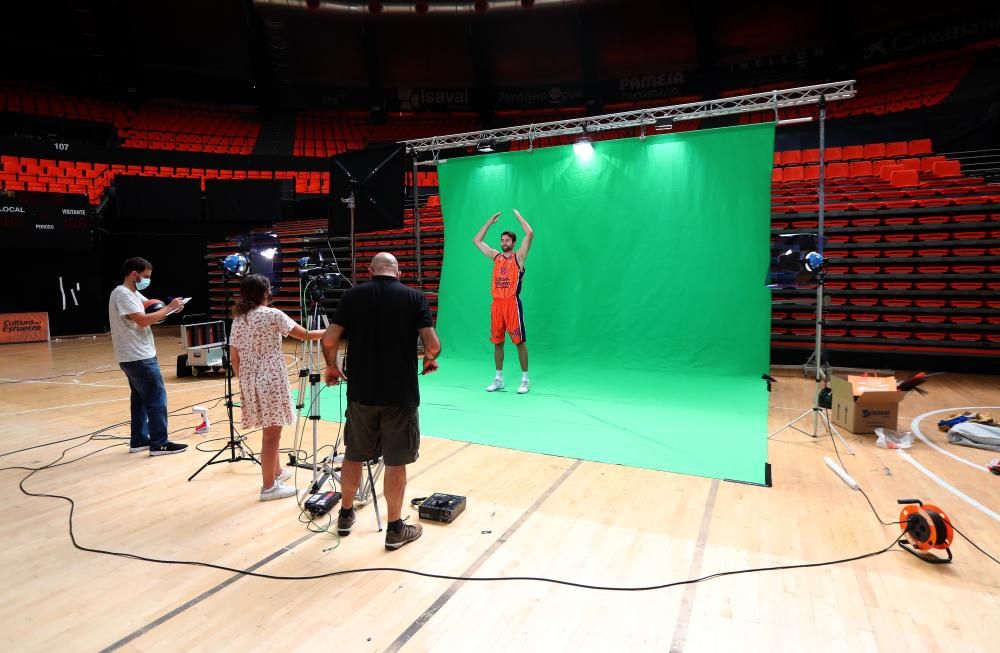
(862, 404)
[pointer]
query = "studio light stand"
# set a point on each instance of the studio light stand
(819, 413)
(236, 446)
(309, 376)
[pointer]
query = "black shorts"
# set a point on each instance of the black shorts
(392, 432)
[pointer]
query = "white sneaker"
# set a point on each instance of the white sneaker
(277, 491)
(496, 385)
(283, 476)
(523, 388)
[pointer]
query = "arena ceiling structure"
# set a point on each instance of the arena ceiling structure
(485, 56)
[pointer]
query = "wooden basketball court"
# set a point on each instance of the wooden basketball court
(528, 515)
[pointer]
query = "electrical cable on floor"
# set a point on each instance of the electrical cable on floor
(57, 462)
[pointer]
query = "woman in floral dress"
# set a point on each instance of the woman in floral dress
(257, 357)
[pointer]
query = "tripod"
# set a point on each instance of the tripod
(236, 447)
(818, 412)
(326, 470)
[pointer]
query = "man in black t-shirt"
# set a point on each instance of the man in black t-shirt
(381, 320)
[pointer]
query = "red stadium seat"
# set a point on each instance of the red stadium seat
(874, 150)
(904, 178)
(860, 169)
(837, 171)
(897, 149)
(947, 169)
(853, 152)
(791, 157)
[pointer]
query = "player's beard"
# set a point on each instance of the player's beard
(507, 248)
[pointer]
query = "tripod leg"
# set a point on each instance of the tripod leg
(209, 462)
(371, 488)
(776, 431)
(832, 430)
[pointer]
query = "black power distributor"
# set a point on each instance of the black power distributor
(320, 504)
(442, 507)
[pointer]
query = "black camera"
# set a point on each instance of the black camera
(324, 275)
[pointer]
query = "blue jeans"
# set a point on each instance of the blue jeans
(149, 402)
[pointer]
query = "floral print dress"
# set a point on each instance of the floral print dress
(265, 392)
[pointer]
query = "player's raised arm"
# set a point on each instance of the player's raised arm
(529, 235)
(478, 239)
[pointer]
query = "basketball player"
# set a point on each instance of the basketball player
(506, 313)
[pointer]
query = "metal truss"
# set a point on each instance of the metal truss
(768, 100)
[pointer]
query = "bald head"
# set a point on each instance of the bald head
(385, 264)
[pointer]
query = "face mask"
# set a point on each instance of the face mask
(142, 283)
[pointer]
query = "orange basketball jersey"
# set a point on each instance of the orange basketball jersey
(507, 274)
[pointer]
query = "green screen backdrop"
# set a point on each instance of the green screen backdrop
(646, 314)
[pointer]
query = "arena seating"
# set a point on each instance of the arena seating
(325, 133)
(158, 125)
(913, 249)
